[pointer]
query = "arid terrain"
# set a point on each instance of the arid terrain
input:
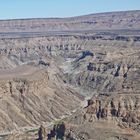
(84, 71)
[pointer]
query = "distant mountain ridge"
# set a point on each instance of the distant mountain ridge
(101, 21)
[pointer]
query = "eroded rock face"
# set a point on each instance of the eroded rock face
(100, 65)
(110, 117)
(28, 103)
(121, 106)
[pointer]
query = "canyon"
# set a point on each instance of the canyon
(82, 70)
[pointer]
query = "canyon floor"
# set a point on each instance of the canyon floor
(83, 71)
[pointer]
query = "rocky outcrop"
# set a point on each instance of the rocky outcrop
(123, 107)
(111, 117)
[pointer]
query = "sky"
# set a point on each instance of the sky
(14, 9)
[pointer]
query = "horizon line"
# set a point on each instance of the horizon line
(68, 17)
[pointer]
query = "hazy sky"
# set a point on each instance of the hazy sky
(62, 8)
